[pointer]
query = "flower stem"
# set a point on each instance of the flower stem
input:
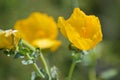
(71, 70)
(92, 73)
(41, 58)
(36, 68)
(45, 64)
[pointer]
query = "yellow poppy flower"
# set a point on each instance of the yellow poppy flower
(9, 39)
(83, 31)
(40, 30)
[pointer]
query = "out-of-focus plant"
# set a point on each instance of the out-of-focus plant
(39, 32)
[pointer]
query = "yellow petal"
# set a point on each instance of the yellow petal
(61, 25)
(44, 23)
(77, 19)
(47, 43)
(55, 45)
(37, 25)
(74, 37)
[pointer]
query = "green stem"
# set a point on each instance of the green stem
(92, 73)
(71, 70)
(41, 58)
(28, 45)
(36, 68)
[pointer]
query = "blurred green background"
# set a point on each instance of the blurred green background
(108, 51)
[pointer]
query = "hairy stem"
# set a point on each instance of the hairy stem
(41, 58)
(36, 68)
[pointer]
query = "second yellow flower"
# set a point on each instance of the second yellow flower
(39, 30)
